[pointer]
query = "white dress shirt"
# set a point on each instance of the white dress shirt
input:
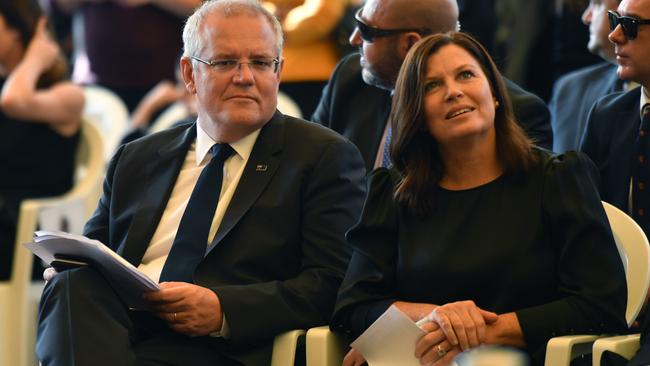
(196, 159)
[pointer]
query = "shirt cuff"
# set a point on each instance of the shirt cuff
(224, 332)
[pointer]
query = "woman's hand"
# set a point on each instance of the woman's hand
(353, 358)
(49, 273)
(42, 51)
(463, 323)
(434, 348)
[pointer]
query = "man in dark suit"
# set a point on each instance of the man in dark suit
(615, 135)
(617, 138)
(356, 101)
(576, 92)
(273, 251)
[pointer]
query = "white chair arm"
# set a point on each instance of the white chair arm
(325, 348)
(561, 350)
(284, 348)
(625, 345)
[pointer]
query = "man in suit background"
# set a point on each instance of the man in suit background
(287, 191)
(356, 102)
(615, 138)
(576, 92)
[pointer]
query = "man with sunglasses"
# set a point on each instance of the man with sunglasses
(356, 101)
(239, 216)
(576, 92)
(617, 138)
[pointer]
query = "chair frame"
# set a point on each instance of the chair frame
(19, 296)
(634, 250)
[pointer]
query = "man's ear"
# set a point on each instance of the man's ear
(406, 42)
(187, 71)
(280, 67)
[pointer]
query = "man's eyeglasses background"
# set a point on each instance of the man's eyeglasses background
(629, 24)
(259, 65)
(369, 33)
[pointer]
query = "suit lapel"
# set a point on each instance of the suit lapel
(260, 168)
(161, 177)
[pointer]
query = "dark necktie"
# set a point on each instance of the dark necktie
(191, 239)
(641, 177)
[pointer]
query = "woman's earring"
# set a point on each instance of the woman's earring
(496, 104)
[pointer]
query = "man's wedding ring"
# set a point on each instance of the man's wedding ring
(175, 322)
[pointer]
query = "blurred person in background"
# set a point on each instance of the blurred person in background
(127, 46)
(576, 92)
(40, 114)
(310, 49)
(356, 101)
(156, 102)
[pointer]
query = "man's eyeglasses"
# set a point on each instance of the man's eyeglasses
(369, 33)
(259, 65)
(630, 25)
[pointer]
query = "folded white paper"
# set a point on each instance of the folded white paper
(390, 340)
(126, 279)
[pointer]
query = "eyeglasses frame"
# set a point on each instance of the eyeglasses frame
(376, 32)
(630, 30)
(275, 61)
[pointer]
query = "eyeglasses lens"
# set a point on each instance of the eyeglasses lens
(628, 24)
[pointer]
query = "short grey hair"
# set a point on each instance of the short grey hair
(192, 42)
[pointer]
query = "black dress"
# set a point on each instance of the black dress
(35, 161)
(538, 244)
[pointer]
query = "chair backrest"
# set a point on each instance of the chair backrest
(288, 106)
(169, 116)
(634, 250)
(69, 212)
(109, 113)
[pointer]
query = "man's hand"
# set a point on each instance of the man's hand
(189, 309)
(353, 358)
(49, 273)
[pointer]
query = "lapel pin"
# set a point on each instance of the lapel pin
(261, 167)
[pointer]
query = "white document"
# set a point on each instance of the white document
(390, 340)
(126, 279)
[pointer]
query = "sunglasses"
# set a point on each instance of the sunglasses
(369, 33)
(630, 25)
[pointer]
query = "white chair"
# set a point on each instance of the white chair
(288, 106)
(109, 114)
(635, 253)
(628, 232)
(19, 296)
(172, 114)
(324, 347)
(284, 348)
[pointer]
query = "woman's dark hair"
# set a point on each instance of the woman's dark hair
(23, 15)
(415, 152)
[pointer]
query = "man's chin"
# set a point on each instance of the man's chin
(371, 79)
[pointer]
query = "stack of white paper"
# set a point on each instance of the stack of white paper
(123, 276)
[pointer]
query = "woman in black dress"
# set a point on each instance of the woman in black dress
(492, 239)
(40, 114)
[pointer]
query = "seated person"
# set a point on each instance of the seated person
(156, 102)
(493, 240)
(239, 215)
(40, 114)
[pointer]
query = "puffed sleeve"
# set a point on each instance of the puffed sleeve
(368, 287)
(590, 275)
